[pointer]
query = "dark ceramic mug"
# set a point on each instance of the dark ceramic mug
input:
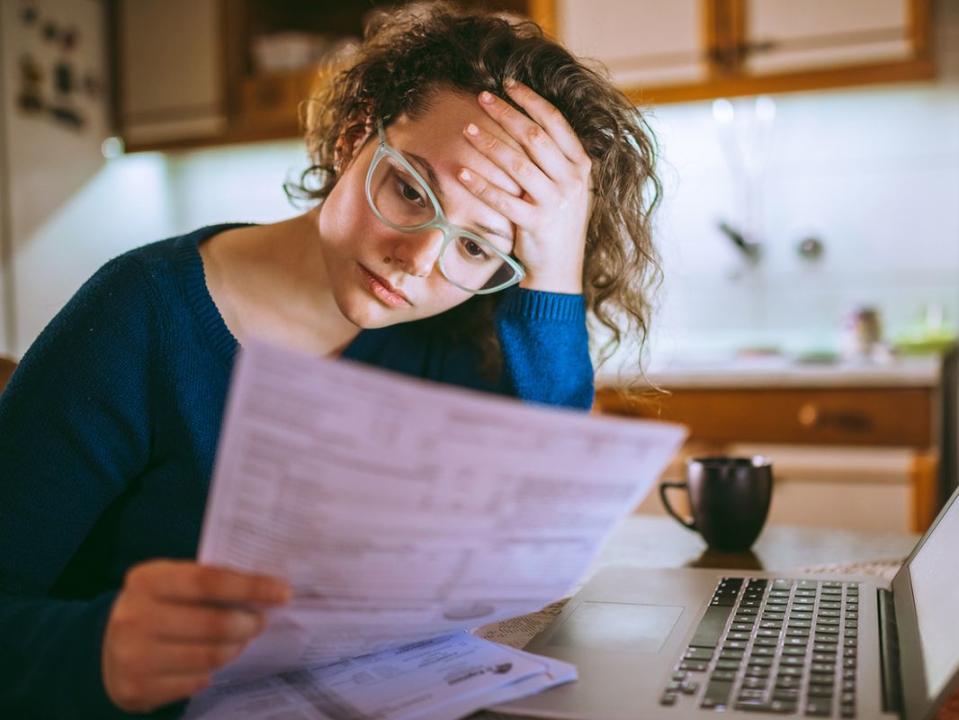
(729, 498)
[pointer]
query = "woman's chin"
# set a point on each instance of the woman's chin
(369, 313)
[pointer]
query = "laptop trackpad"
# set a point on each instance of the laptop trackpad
(624, 627)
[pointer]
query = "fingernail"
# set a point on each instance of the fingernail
(509, 83)
(486, 97)
(466, 175)
(281, 593)
(471, 129)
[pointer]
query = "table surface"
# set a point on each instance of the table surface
(658, 541)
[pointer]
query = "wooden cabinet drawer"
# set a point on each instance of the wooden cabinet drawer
(272, 101)
(835, 416)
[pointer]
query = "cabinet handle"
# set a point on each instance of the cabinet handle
(809, 415)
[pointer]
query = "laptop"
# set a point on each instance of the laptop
(691, 643)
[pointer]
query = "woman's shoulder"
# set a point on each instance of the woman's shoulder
(175, 255)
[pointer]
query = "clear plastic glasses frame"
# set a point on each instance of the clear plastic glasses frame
(439, 221)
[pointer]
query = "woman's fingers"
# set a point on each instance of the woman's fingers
(514, 209)
(186, 581)
(513, 161)
(190, 658)
(536, 141)
(196, 623)
(549, 118)
(143, 695)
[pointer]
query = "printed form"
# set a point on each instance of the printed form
(401, 510)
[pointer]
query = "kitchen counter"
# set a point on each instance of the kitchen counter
(917, 372)
(774, 401)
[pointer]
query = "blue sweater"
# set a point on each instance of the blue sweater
(107, 437)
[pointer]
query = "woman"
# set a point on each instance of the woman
(480, 190)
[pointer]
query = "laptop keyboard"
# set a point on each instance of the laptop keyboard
(781, 646)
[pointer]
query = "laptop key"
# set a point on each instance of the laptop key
(819, 709)
(786, 694)
(710, 627)
(788, 683)
(776, 706)
(717, 694)
(695, 653)
(667, 698)
(727, 664)
(723, 675)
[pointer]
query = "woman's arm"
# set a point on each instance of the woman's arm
(545, 348)
(74, 430)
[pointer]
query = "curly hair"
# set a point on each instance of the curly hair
(409, 54)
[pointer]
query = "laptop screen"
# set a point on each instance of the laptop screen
(935, 590)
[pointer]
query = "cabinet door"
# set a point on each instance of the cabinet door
(642, 42)
(170, 70)
(789, 36)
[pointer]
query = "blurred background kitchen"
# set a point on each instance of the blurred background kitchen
(809, 229)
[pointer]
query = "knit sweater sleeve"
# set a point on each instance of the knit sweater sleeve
(74, 430)
(545, 348)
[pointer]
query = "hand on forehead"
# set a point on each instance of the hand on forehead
(437, 135)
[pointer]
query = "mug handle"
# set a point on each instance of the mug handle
(663, 487)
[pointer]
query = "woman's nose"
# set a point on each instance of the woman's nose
(418, 252)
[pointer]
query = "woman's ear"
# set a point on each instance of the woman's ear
(350, 141)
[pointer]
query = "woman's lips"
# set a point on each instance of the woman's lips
(383, 291)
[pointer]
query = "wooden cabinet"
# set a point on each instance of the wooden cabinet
(186, 75)
(876, 426)
(641, 42)
(863, 417)
(698, 49)
(786, 36)
(170, 83)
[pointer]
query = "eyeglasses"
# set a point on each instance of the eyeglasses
(401, 199)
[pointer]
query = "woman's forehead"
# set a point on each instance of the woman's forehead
(440, 125)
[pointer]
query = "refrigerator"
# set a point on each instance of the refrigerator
(55, 117)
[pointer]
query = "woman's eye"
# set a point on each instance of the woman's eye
(474, 249)
(410, 193)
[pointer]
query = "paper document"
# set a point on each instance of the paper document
(402, 510)
(451, 676)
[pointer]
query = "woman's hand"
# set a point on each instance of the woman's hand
(554, 172)
(174, 623)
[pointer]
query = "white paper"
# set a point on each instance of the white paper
(401, 510)
(449, 677)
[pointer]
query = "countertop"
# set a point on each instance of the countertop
(918, 372)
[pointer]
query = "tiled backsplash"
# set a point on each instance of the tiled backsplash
(873, 173)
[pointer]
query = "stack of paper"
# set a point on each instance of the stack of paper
(403, 511)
